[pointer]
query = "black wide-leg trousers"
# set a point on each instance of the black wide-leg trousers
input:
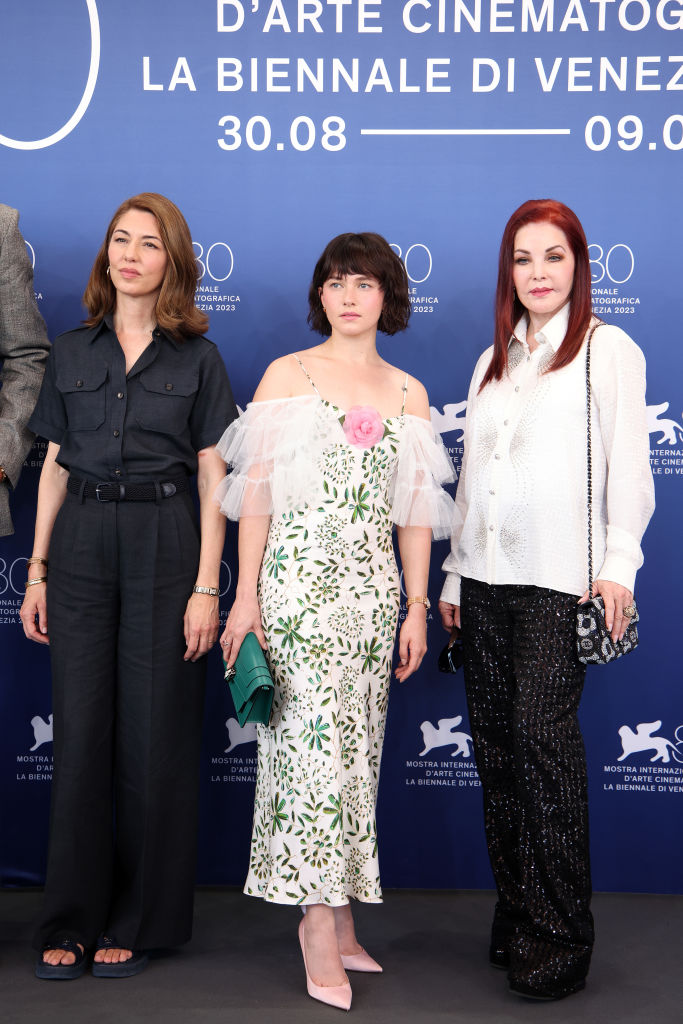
(127, 723)
(524, 684)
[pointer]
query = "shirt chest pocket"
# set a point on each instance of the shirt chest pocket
(166, 400)
(83, 393)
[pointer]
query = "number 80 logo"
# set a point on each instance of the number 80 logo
(618, 260)
(417, 258)
(219, 257)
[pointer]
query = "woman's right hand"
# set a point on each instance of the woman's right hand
(244, 617)
(35, 606)
(450, 615)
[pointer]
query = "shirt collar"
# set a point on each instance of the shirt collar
(91, 333)
(158, 333)
(553, 333)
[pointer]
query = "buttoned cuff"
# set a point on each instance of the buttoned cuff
(616, 569)
(451, 589)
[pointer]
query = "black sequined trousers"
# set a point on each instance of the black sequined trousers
(524, 684)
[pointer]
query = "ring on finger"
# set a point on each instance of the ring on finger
(629, 611)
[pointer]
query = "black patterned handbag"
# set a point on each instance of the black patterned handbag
(594, 644)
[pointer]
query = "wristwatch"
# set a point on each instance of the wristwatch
(419, 600)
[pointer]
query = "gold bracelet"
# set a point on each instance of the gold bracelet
(419, 600)
(32, 583)
(35, 560)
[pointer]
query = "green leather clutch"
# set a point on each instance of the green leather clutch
(250, 683)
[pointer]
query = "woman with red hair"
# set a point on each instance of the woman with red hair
(518, 567)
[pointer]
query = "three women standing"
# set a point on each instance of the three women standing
(518, 567)
(335, 448)
(132, 405)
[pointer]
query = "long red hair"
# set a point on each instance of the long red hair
(508, 307)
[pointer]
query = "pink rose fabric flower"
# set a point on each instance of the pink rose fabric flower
(363, 426)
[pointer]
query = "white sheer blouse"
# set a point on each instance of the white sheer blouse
(275, 446)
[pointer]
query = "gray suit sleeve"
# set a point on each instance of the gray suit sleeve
(23, 346)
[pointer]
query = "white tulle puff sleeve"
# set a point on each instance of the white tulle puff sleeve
(266, 446)
(417, 494)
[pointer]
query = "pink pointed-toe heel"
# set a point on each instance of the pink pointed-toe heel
(333, 995)
(362, 962)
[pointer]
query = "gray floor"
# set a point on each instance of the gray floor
(243, 965)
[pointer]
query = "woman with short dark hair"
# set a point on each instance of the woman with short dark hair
(336, 447)
(518, 567)
(132, 406)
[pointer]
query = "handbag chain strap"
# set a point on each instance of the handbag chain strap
(589, 459)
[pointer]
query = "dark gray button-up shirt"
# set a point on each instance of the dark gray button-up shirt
(148, 424)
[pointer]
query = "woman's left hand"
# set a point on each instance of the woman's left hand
(616, 598)
(412, 641)
(200, 625)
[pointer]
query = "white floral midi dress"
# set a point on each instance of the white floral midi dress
(329, 596)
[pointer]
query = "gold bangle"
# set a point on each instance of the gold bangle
(36, 560)
(32, 583)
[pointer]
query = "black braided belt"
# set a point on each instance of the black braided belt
(110, 491)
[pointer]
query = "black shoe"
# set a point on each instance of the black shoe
(502, 934)
(499, 955)
(519, 988)
(125, 968)
(61, 972)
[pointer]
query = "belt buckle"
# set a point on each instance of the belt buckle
(100, 496)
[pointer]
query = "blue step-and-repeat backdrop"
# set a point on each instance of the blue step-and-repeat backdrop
(276, 124)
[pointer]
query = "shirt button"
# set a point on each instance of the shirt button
(79, 383)
(119, 394)
(491, 528)
(496, 456)
(116, 433)
(505, 422)
(169, 387)
(492, 492)
(517, 387)
(117, 472)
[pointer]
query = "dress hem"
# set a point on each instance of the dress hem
(307, 902)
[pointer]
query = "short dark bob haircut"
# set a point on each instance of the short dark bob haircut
(175, 312)
(509, 309)
(371, 255)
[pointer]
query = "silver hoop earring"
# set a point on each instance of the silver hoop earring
(108, 269)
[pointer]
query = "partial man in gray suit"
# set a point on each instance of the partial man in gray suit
(23, 350)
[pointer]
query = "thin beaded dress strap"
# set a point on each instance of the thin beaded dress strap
(310, 379)
(405, 395)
